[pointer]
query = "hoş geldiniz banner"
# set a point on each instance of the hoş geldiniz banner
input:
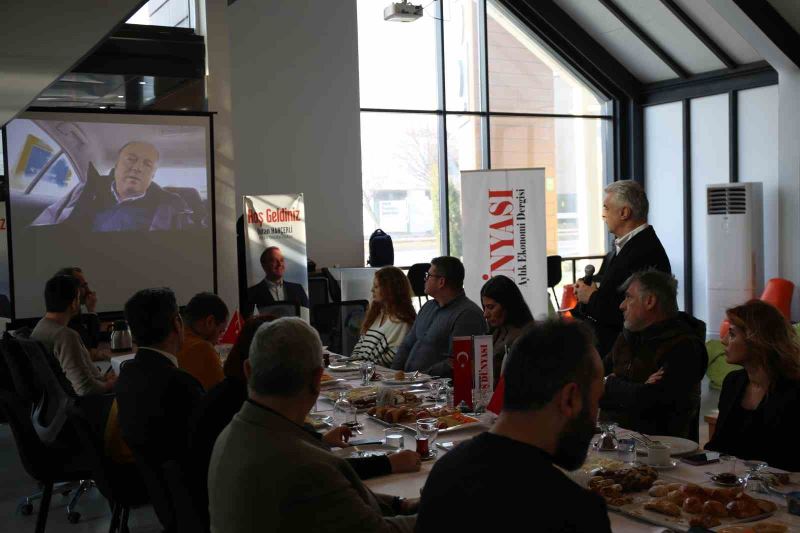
(276, 226)
(504, 232)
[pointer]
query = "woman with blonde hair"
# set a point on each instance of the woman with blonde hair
(388, 319)
(759, 405)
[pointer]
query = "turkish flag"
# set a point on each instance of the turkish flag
(462, 371)
(233, 330)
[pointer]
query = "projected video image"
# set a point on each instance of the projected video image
(107, 177)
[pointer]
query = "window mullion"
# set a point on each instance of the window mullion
(444, 218)
(483, 39)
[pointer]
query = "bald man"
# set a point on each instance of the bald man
(125, 200)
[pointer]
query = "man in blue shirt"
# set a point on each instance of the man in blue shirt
(449, 314)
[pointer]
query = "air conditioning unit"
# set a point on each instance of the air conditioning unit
(734, 248)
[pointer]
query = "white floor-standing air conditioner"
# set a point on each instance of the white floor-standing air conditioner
(735, 248)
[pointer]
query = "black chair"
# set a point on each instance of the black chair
(339, 324)
(280, 309)
(59, 467)
(121, 484)
(416, 276)
(333, 286)
(554, 274)
(318, 292)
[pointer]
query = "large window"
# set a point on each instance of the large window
(469, 87)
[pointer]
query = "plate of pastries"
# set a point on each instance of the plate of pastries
(447, 419)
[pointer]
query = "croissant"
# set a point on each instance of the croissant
(664, 507)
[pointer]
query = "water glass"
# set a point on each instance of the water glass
(626, 450)
(367, 369)
(343, 410)
(428, 430)
(436, 388)
(393, 437)
(608, 437)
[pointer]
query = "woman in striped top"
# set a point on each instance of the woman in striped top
(389, 317)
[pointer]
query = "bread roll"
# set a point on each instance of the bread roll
(766, 506)
(664, 507)
(714, 508)
(658, 491)
(693, 505)
(676, 497)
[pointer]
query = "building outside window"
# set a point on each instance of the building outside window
(467, 87)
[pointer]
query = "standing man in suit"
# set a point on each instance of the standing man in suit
(273, 288)
(636, 248)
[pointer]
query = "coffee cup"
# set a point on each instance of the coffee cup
(658, 455)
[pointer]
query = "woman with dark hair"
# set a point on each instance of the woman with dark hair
(506, 313)
(759, 404)
(388, 319)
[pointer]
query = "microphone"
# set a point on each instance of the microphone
(588, 274)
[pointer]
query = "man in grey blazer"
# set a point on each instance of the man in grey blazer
(269, 473)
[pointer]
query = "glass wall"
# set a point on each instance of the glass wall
(468, 87)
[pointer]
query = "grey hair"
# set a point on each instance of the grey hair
(630, 193)
(660, 284)
(283, 355)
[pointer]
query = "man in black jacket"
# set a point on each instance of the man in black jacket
(636, 248)
(657, 362)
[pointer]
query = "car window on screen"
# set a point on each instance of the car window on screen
(59, 179)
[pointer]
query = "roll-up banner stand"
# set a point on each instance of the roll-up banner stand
(504, 232)
(277, 220)
(5, 284)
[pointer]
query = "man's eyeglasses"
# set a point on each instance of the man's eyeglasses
(428, 276)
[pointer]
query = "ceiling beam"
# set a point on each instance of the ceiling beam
(645, 38)
(774, 26)
(698, 32)
(575, 46)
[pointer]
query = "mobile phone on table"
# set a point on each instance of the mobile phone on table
(699, 459)
(446, 446)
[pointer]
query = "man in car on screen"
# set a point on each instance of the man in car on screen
(125, 200)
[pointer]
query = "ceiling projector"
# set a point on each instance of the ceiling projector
(402, 12)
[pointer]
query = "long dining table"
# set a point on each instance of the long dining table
(409, 485)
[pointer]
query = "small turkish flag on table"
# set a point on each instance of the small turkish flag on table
(462, 371)
(234, 328)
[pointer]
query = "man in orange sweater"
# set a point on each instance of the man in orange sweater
(206, 316)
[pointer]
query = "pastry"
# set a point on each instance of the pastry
(619, 502)
(770, 527)
(691, 489)
(674, 486)
(743, 508)
(693, 505)
(714, 508)
(664, 507)
(676, 497)
(399, 375)
(659, 482)
(705, 521)
(766, 506)
(658, 491)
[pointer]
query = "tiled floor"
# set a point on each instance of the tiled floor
(95, 514)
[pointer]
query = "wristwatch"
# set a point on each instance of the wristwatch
(397, 503)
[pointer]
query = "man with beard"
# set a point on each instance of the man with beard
(86, 324)
(125, 200)
(553, 387)
(657, 363)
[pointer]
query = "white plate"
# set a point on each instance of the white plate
(347, 367)
(407, 381)
(332, 383)
(367, 450)
(677, 445)
(319, 420)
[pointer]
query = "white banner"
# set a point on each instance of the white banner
(504, 232)
(276, 221)
(483, 351)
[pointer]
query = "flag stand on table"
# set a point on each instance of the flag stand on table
(233, 330)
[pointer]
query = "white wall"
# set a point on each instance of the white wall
(710, 163)
(758, 161)
(295, 107)
(663, 129)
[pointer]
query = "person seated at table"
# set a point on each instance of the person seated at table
(62, 304)
(155, 398)
(388, 319)
(553, 382)
(657, 362)
(506, 314)
(206, 316)
(448, 314)
(86, 324)
(758, 405)
(266, 455)
(225, 400)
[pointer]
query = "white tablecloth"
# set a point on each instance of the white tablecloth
(409, 485)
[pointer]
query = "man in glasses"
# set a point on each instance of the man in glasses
(448, 314)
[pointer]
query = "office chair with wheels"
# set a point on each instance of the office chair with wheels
(554, 275)
(416, 276)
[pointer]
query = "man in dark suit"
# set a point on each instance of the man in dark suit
(273, 288)
(155, 397)
(636, 247)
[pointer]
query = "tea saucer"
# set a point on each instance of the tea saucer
(672, 464)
